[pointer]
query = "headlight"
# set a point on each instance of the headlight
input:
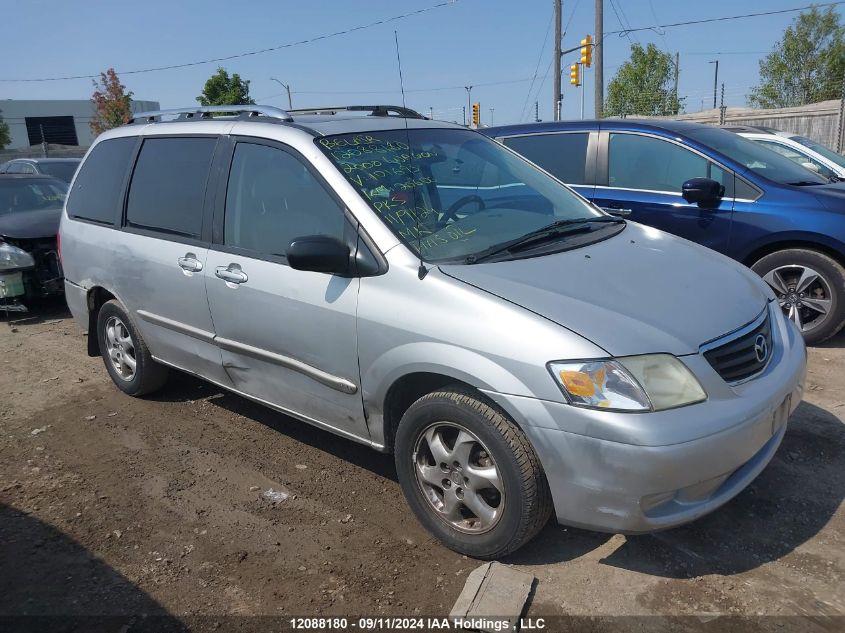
(635, 383)
(12, 257)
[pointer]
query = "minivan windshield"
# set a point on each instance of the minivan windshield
(756, 158)
(450, 194)
(17, 195)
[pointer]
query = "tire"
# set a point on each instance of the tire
(147, 376)
(520, 509)
(785, 270)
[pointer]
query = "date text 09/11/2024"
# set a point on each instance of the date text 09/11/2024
(416, 624)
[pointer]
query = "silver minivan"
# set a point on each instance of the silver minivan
(417, 287)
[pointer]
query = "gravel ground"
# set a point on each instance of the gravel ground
(111, 505)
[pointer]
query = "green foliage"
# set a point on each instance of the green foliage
(644, 85)
(806, 66)
(220, 89)
(112, 104)
(5, 137)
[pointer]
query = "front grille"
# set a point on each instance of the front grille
(738, 356)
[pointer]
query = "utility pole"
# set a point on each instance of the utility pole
(715, 82)
(598, 58)
(43, 143)
(558, 96)
(536, 112)
(677, 73)
(430, 112)
(840, 141)
(286, 87)
(491, 116)
(722, 107)
(469, 99)
(464, 109)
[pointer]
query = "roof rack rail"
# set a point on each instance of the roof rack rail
(205, 112)
(374, 110)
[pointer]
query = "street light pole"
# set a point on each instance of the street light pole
(286, 87)
(715, 81)
(491, 116)
(469, 100)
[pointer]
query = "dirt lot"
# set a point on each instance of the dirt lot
(112, 505)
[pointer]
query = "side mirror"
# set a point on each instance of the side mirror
(811, 167)
(319, 254)
(702, 191)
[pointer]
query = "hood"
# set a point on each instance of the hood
(642, 291)
(27, 225)
(832, 196)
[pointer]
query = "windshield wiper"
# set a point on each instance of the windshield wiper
(804, 183)
(553, 230)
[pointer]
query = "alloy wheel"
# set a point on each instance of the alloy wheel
(458, 478)
(803, 294)
(121, 348)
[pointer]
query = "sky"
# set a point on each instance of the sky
(493, 45)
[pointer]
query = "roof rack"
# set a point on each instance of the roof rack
(205, 112)
(374, 110)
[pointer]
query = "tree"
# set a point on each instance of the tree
(112, 104)
(806, 66)
(643, 85)
(5, 137)
(220, 89)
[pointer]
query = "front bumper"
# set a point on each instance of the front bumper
(633, 473)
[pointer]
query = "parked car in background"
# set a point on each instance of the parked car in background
(61, 168)
(30, 208)
(519, 351)
(807, 153)
(713, 187)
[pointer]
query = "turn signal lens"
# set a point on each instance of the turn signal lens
(600, 384)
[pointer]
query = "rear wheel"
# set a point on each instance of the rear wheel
(125, 354)
(470, 475)
(810, 287)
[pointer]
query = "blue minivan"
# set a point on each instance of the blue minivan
(712, 187)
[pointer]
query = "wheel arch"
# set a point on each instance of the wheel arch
(805, 242)
(96, 297)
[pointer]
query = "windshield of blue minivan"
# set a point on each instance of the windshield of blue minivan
(828, 153)
(449, 194)
(757, 158)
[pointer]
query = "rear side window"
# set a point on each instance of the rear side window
(562, 155)
(168, 185)
(96, 193)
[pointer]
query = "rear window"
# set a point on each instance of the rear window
(96, 193)
(62, 171)
(562, 155)
(168, 186)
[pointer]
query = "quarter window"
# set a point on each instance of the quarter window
(644, 162)
(273, 198)
(562, 155)
(168, 186)
(97, 190)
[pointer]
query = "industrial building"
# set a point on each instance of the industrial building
(56, 122)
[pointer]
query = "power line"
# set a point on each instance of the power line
(537, 68)
(626, 32)
(249, 53)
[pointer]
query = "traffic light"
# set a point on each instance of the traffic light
(575, 74)
(476, 114)
(587, 51)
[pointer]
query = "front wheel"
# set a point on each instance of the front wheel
(470, 475)
(810, 288)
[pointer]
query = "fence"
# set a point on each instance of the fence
(42, 151)
(821, 122)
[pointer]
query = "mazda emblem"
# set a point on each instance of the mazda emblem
(761, 348)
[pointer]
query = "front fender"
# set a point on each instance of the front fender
(429, 357)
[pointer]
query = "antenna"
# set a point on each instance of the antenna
(423, 271)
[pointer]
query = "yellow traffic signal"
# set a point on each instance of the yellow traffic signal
(587, 51)
(575, 74)
(476, 114)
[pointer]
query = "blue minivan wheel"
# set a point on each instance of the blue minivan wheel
(810, 289)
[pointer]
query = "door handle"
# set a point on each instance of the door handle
(615, 211)
(190, 263)
(231, 273)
